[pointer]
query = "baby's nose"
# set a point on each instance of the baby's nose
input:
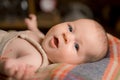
(68, 37)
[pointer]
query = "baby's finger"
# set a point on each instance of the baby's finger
(27, 20)
(19, 74)
(10, 69)
(32, 16)
(29, 72)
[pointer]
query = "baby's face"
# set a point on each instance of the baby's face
(70, 42)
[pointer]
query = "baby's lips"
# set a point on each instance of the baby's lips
(54, 42)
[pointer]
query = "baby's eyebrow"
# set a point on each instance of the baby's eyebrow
(69, 25)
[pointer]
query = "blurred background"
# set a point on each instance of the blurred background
(52, 12)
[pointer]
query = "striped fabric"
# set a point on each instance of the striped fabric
(61, 72)
(112, 71)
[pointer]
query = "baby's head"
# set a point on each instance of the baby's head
(76, 42)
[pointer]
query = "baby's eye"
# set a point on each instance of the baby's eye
(76, 46)
(70, 28)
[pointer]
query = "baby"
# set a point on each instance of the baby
(75, 42)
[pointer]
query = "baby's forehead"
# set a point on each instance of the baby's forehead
(86, 21)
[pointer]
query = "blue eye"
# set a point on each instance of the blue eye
(70, 28)
(76, 46)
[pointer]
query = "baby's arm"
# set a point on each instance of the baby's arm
(27, 60)
(31, 23)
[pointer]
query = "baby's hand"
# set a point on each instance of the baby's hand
(18, 71)
(25, 72)
(31, 22)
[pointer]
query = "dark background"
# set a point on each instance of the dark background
(106, 12)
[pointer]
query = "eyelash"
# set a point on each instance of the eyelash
(76, 46)
(70, 28)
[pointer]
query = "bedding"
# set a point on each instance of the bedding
(106, 69)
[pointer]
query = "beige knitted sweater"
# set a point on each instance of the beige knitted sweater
(7, 36)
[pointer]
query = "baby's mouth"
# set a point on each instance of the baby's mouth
(56, 41)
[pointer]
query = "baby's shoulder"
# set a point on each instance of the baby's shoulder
(34, 36)
(21, 46)
(20, 43)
